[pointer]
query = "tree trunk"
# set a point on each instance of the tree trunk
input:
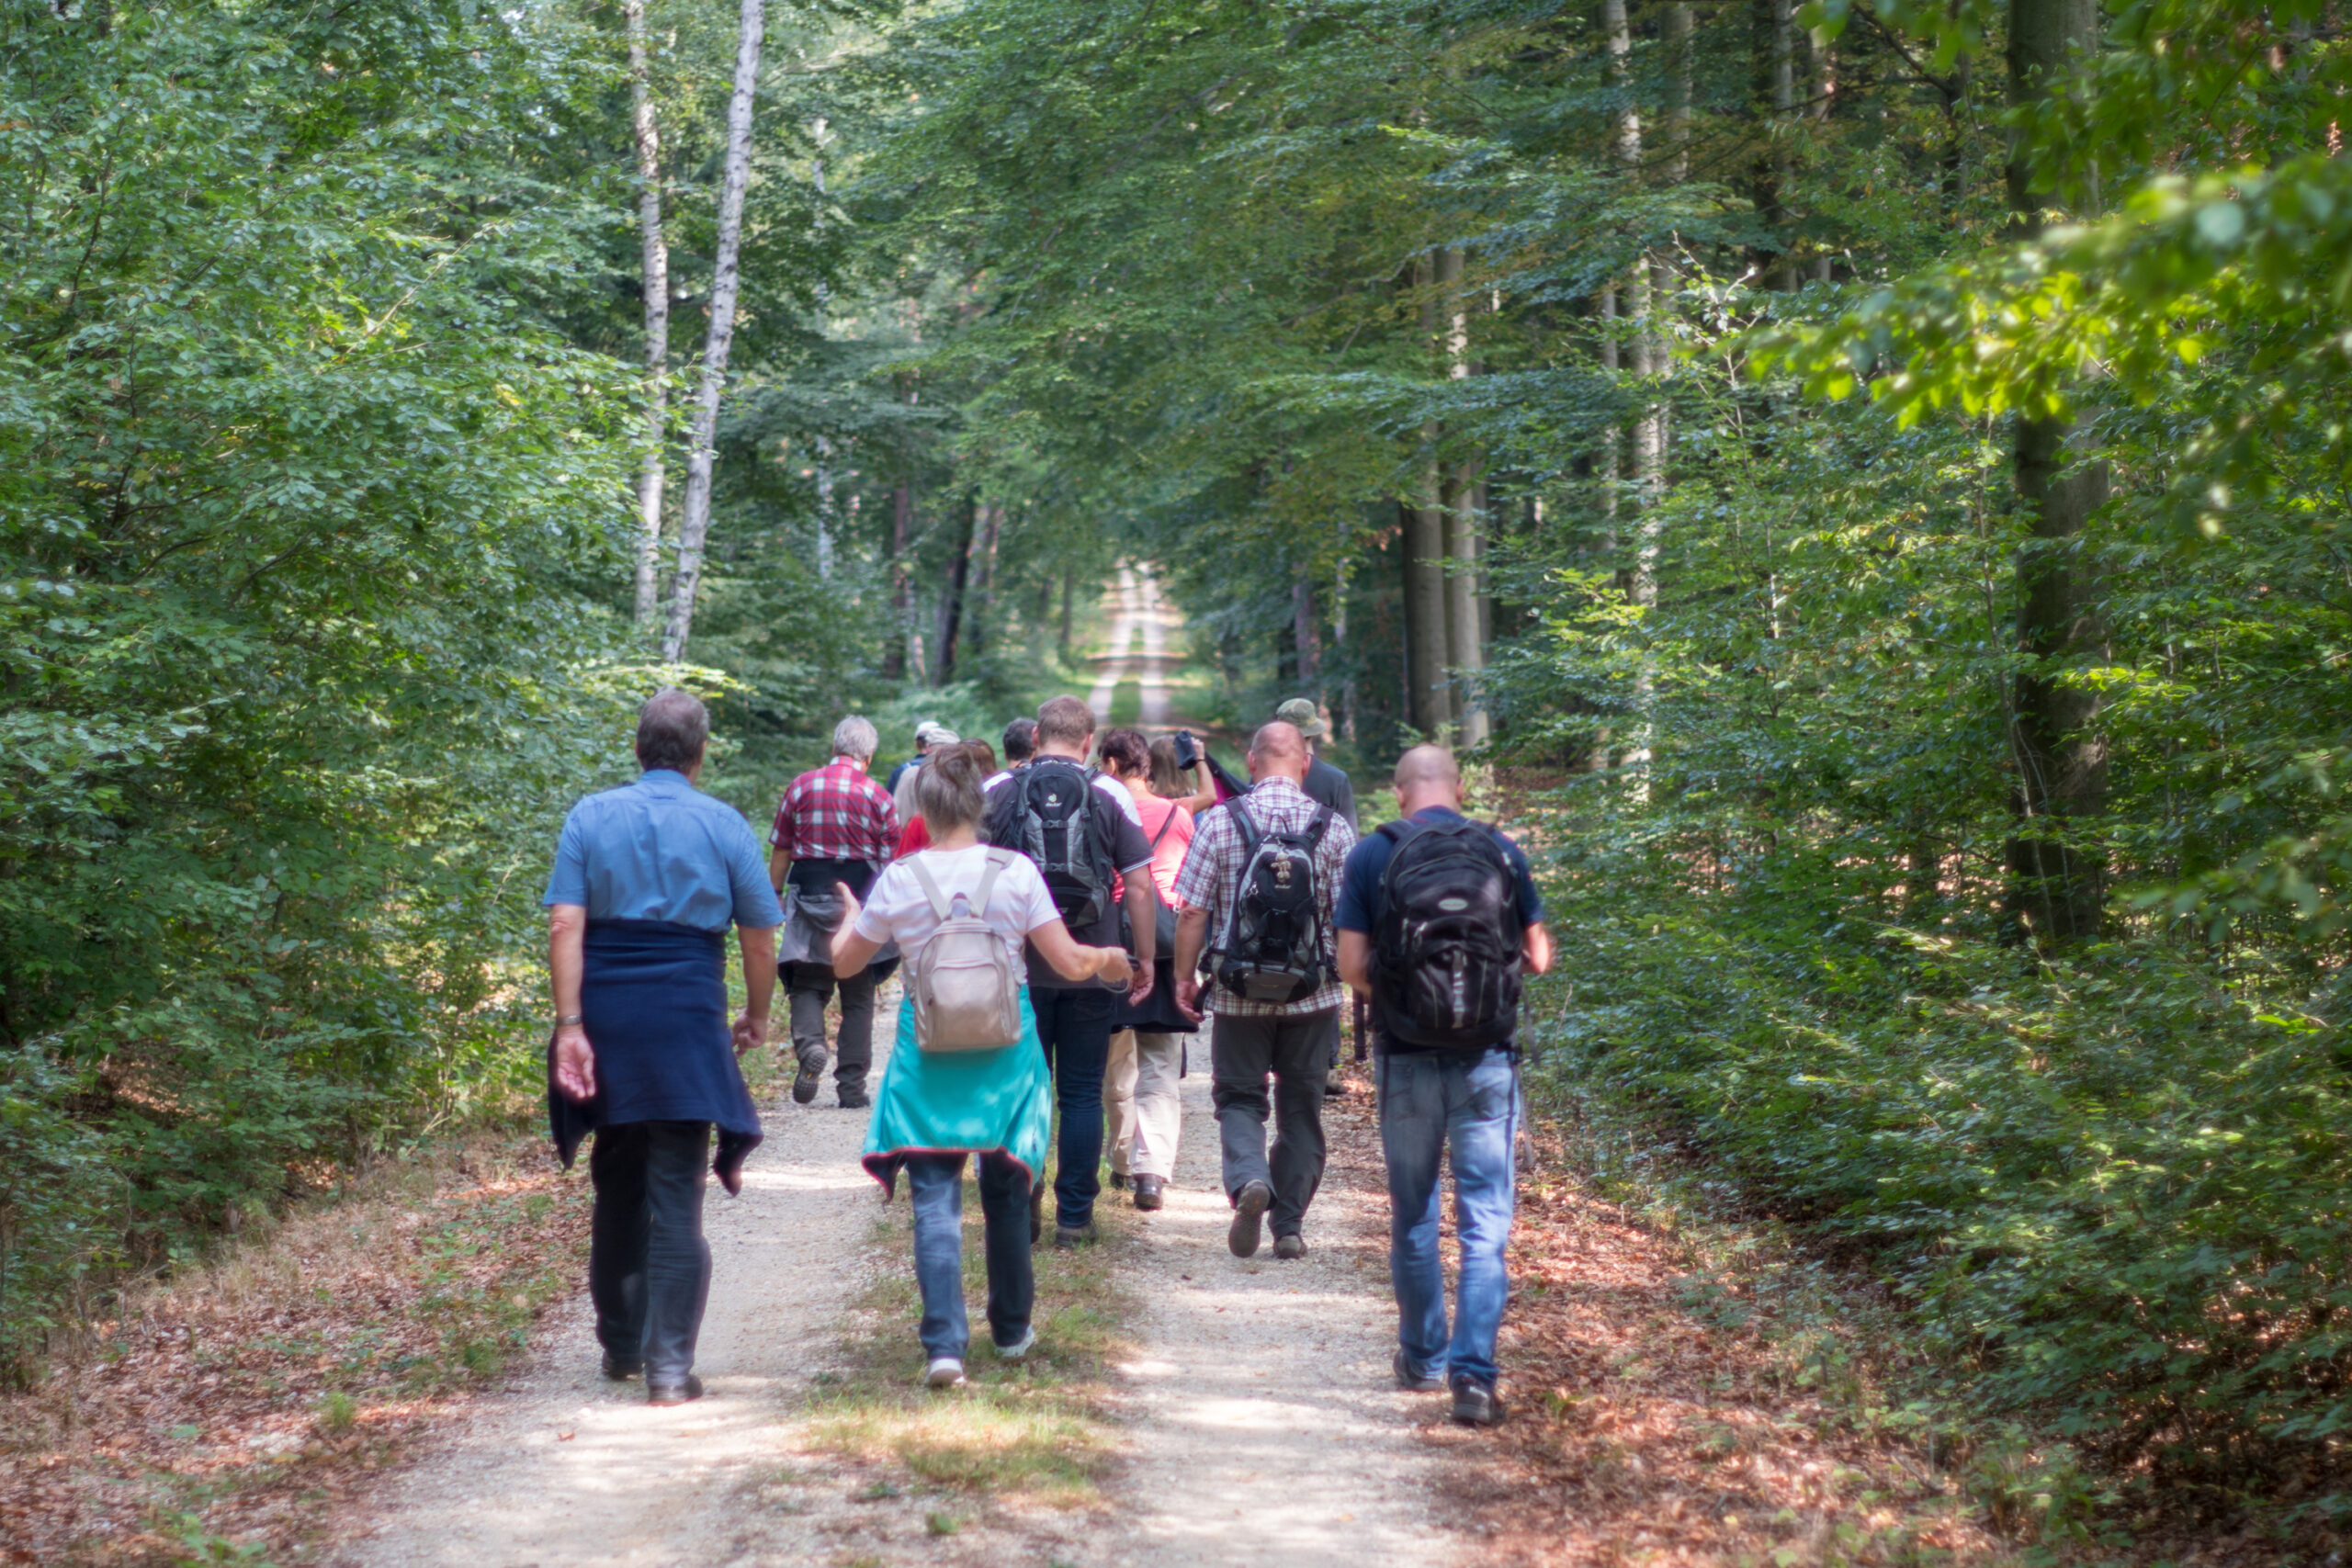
(654, 249)
(1431, 708)
(983, 577)
(1677, 31)
(694, 524)
(902, 523)
(2057, 888)
(951, 598)
(1464, 651)
(1070, 591)
(1773, 65)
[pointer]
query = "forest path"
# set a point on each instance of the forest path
(1269, 1429)
(568, 1468)
(1141, 617)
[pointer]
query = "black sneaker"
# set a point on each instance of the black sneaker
(811, 1074)
(674, 1393)
(1476, 1404)
(620, 1369)
(859, 1101)
(1416, 1382)
(1249, 1214)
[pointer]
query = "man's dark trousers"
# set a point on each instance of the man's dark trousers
(810, 987)
(1074, 1026)
(649, 1267)
(1242, 1051)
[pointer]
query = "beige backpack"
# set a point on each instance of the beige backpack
(964, 984)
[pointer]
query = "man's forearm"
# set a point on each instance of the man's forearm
(779, 867)
(567, 946)
(1143, 918)
(759, 969)
(1192, 935)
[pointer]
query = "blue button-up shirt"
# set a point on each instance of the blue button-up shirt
(661, 850)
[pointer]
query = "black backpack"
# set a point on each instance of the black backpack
(1446, 954)
(1272, 950)
(1053, 824)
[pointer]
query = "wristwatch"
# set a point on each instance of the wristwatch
(568, 1020)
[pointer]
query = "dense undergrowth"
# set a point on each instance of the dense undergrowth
(2111, 1187)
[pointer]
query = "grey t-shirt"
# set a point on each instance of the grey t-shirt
(1115, 833)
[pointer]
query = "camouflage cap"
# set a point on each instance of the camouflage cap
(1301, 712)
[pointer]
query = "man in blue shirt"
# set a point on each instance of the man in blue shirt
(1442, 1086)
(647, 880)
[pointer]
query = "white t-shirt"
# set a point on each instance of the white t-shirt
(1103, 781)
(897, 909)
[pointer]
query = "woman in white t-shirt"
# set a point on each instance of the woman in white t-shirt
(934, 1109)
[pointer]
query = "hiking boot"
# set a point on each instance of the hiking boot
(1416, 1382)
(665, 1394)
(1476, 1404)
(1148, 1190)
(620, 1369)
(945, 1371)
(812, 1061)
(1074, 1236)
(1290, 1246)
(1021, 1347)
(1249, 1208)
(856, 1100)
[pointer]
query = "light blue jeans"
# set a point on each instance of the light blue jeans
(1429, 1100)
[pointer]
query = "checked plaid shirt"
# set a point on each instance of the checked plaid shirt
(836, 812)
(1213, 868)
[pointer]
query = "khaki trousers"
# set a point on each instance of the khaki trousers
(1142, 1112)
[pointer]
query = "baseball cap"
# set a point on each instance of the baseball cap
(1300, 711)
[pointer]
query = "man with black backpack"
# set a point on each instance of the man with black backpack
(1439, 922)
(1081, 829)
(1258, 886)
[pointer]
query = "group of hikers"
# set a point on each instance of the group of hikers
(1062, 923)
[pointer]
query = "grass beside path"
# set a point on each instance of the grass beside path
(1039, 1430)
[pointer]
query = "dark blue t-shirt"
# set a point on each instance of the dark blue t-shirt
(1360, 885)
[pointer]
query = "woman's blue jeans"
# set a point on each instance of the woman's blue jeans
(1469, 1101)
(935, 1188)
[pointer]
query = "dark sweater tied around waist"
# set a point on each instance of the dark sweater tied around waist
(653, 1001)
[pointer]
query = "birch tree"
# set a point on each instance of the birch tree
(655, 248)
(694, 524)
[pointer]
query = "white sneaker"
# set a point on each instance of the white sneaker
(1021, 1347)
(945, 1372)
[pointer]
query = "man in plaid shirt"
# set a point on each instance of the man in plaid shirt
(836, 825)
(1250, 1038)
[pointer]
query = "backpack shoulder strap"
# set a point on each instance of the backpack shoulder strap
(940, 905)
(1165, 823)
(996, 861)
(1247, 825)
(1316, 826)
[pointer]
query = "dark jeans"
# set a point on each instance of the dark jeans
(810, 987)
(1464, 1104)
(649, 1267)
(1074, 1027)
(935, 1188)
(1297, 1052)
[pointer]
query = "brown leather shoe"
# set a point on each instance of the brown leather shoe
(1149, 1190)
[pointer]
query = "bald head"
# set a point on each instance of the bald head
(1428, 775)
(1278, 750)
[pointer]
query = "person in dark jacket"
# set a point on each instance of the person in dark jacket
(647, 880)
(1325, 785)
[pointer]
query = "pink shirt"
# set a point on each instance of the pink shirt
(1167, 850)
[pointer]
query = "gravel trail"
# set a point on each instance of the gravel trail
(1269, 1429)
(569, 1470)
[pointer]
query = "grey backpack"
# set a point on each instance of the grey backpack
(965, 982)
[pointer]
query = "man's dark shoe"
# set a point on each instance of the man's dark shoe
(1290, 1246)
(1074, 1236)
(1149, 1191)
(857, 1102)
(674, 1393)
(1249, 1214)
(1475, 1404)
(1036, 1215)
(1416, 1382)
(620, 1369)
(812, 1060)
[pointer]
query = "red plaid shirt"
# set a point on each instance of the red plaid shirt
(836, 812)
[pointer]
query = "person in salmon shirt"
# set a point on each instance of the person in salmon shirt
(1143, 1113)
